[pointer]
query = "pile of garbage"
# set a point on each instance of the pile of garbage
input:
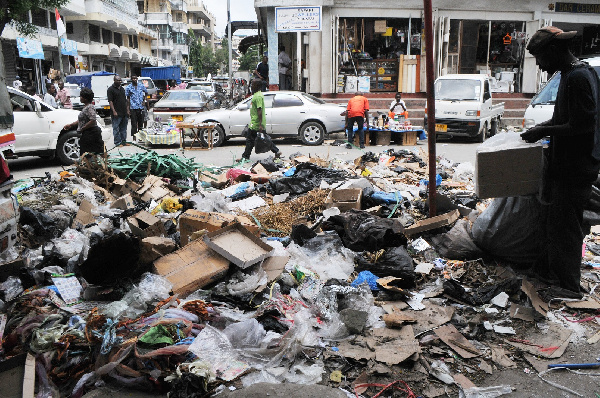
(201, 279)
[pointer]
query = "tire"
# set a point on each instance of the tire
(312, 133)
(494, 127)
(483, 134)
(67, 148)
(218, 136)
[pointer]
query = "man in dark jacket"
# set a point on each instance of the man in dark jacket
(573, 158)
(118, 111)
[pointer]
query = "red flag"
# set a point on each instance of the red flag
(60, 26)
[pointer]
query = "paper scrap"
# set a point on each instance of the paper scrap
(501, 300)
(69, 288)
(452, 337)
(416, 302)
(424, 268)
(504, 329)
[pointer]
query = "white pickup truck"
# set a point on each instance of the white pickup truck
(463, 107)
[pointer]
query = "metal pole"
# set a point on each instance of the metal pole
(430, 104)
(60, 60)
(230, 50)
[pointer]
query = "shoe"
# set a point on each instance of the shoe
(278, 155)
(348, 146)
(242, 159)
(362, 147)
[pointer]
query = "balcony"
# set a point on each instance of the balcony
(117, 15)
(72, 8)
(156, 18)
(201, 29)
(162, 44)
(180, 27)
(114, 51)
(198, 7)
(183, 49)
(125, 53)
(97, 49)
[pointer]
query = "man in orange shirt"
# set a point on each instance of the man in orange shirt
(357, 112)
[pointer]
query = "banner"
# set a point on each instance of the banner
(68, 47)
(298, 19)
(30, 48)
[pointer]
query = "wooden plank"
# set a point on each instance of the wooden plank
(29, 377)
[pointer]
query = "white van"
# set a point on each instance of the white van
(541, 106)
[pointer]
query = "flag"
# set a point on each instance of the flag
(60, 26)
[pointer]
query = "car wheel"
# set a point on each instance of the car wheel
(312, 133)
(218, 136)
(67, 148)
(494, 128)
(483, 133)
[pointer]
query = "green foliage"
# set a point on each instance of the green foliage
(201, 57)
(222, 56)
(17, 11)
(249, 60)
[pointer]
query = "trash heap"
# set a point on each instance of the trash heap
(159, 275)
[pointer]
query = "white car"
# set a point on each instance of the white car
(176, 105)
(38, 129)
(288, 113)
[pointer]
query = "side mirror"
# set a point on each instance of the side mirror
(38, 108)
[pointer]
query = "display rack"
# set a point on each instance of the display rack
(383, 73)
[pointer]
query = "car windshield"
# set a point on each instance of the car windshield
(457, 90)
(547, 94)
(182, 96)
(202, 87)
(147, 83)
(313, 99)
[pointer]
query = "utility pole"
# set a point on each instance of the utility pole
(230, 51)
(431, 138)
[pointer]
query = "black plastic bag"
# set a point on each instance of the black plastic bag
(393, 262)
(301, 233)
(263, 143)
(457, 244)
(511, 229)
(306, 177)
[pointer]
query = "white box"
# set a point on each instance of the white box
(364, 84)
(507, 76)
(351, 84)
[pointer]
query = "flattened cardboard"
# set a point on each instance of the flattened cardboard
(432, 316)
(84, 215)
(124, 202)
(508, 172)
(432, 223)
(194, 220)
(462, 381)
(354, 351)
(452, 337)
(191, 267)
(398, 319)
(399, 350)
(520, 312)
(144, 224)
(238, 245)
(589, 304)
(344, 199)
(538, 304)
(273, 266)
(153, 188)
(541, 343)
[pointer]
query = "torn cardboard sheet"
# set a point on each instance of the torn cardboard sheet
(589, 304)
(144, 224)
(500, 358)
(398, 319)
(390, 283)
(84, 215)
(397, 351)
(392, 306)
(462, 381)
(273, 266)
(355, 352)
(520, 312)
(537, 364)
(431, 317)
(538, 304)
(432, 223)
(550, 344)
(486, 367)
(452, 337)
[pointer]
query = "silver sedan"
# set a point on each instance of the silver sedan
(178, 104)
(288, 113)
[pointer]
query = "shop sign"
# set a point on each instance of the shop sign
(577, 8)
(298, 19)
(68, 47)
(30, 48)
(190, 69)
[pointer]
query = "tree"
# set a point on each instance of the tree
(222, 56)
(201, 57)
(249, 60)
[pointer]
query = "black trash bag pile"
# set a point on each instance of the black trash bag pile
(39, 226)
(483, 294)
(362, 231)
(393, 262)
(457, 244)
(306, 177)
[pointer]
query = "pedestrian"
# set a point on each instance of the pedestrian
(258, 121)
(136, 94)
(262, 72)
(119, 112)
(63, 97)
(91, 133)
(357, 112)
(398, 107)
(50, 96)
(17, 83)
(285, 63)
(573, 159)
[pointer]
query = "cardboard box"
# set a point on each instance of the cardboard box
(194, 220)
(84, 215)
(344, 199)
(144, 224)
(191, 267)
(238, 245)
(408, 138)
(124, 202)
(383, 137)
(432, 223)
(508, 172)
(380, 26)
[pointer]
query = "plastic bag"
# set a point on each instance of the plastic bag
(263, 143)
(366, 277)
(485, 392)
(241, 283)
(510, 229)
(503, 141)
(11, 288)
(239, 191)
(457, 244)
(386, 197)
(393, 262)
(248, 333)
(212, 202)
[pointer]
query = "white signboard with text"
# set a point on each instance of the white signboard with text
(298, 19)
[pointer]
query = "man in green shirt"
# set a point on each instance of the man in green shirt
(258, 120)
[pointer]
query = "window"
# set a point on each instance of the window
(135, 41)
(268, 101)
(94, 33)
(106, 36)
(69, 28)
(118, 39)
(20, 103)
(286, 100)
(39, 17)
(140, 5)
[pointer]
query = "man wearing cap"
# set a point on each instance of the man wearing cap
(573, 158)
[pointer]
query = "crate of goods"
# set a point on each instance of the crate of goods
(408, 138)
(344, 199)
(383, 137)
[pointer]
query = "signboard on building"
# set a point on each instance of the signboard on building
(68, 47)
(30, 48)
(298, 19)
(577, 8)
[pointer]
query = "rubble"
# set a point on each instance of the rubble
(158, 274)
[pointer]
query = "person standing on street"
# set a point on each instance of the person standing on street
(136, 94)
(91, 134)
(50, 96)
(63, 97)
(357, 112)
(573, 159)
(262, 72)
(258, 121)
(284, 67)
(119, 112)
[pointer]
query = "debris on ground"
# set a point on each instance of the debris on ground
(158, 274)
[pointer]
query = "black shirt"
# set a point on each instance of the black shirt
(263, 70)
(117, 96)
(570, 156)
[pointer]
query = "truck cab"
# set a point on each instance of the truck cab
(463, 107)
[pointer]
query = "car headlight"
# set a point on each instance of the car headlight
(471, 113)
(528, 123)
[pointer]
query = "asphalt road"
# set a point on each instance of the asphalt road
(455, 150)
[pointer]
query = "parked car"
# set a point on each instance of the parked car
(179, 104)
(541, 106)
(214, 91)
(38, 129)
(288, 113)
(152, 96)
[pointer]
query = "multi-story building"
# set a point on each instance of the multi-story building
(202, 22)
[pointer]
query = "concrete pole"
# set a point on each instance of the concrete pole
(298, 61)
